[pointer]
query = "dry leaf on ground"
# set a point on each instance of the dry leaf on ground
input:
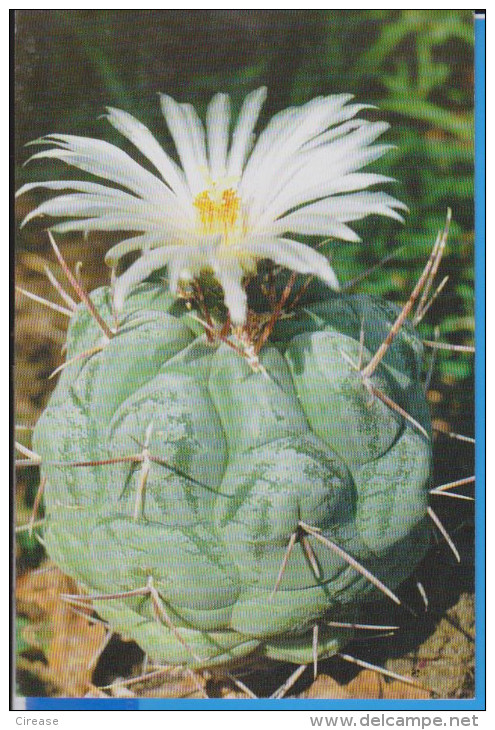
(326, 687)
(68, 641)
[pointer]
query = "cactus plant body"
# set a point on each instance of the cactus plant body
(214, 510)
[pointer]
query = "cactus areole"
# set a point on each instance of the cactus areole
(213, 510)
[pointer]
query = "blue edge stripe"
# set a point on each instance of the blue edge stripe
(477, 703)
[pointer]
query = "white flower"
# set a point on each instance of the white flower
(232, 202)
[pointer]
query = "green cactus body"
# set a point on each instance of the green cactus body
(202, 470)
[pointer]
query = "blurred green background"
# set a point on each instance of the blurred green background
(416, 66)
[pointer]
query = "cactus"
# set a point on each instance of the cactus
(232, 465)
(213, 509)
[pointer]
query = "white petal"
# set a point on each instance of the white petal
(140, 270)
(359, 139)
(316, 187)
(184, 265)
(318, 159)
(136, 243)
(178, 123)
(286, 133)
(294, 127)
(295, 256)
(175, 268)
(314, 226)
(141, 137)
(77, 185)
(197, 134)
(217, 125)
(241, 139)
(296, 168)
(108, 161)
(118, 222)
(230, 276)
(90, 205)
(318, 180)
(132, 215)
(356, 181)
(343, 127)
(342, 208)
(189, 261)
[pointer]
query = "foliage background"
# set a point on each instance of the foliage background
(416, 66)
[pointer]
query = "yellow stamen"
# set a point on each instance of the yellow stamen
(218, 211)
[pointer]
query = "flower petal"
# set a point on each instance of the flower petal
(230, 275)
(141, 269)
(314, 219)
(141, 137)
(302, 177)
(142, 242)
(104, 213)
(307, 174)
(295, 256)
(77, 185)
(178, 120)
(196, 134)
(80, 205)
(217, 126)
(117, 222)
(105, 160)
(285, 134)
(241, 140)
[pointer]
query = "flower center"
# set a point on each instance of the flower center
(219, 212)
